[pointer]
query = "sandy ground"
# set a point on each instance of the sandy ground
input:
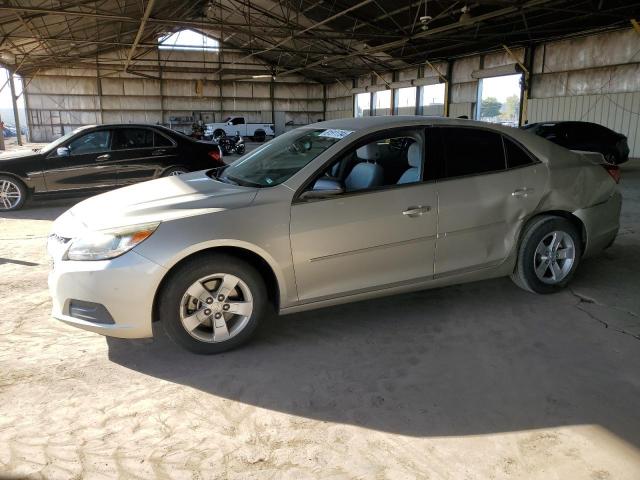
(480, 381)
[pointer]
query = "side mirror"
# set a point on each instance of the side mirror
(323, 188)
(63, 151)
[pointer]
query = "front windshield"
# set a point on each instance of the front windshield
(59, 141)
(281, 158)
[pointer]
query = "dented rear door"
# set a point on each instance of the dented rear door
(480, 212)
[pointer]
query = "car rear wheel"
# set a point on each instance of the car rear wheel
(13, 193)
(212, 303)
(549, 254)
(260, 136)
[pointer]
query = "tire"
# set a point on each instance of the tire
(218, 133)
(181, 301)
(537, 245)
(13, 193)
(259, 136)
(172, 171)
(240, 149)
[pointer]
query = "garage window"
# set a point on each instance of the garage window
(187, 40)
(362, 107)
(406, 101)
(382, 102)
(432, 99)
(471, 151)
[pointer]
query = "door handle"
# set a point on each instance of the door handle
(416, 211)
(522, 192)
(159, 152)
(102, 158)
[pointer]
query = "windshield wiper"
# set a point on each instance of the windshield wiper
(241, 182)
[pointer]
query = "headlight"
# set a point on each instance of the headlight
(106, 244)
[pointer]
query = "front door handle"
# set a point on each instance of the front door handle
(416, 211)
(522, 192)
(102, 158)
(159, 152)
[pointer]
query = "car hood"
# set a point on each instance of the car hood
(157, 200)
(17, 155)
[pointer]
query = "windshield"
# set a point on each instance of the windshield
(281, 158)
(59, 141)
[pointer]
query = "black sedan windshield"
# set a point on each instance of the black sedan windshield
(278, 160)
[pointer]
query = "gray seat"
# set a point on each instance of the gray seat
(414, 157)
(366, 174)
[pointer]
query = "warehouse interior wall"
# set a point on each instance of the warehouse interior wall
(61, 99)
(593, 78)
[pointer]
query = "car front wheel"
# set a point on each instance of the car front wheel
(13, 193)
(549, 254)
(212, 303)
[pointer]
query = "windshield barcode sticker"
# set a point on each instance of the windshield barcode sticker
(335, 133)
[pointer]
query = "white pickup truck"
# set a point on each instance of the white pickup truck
(233, 125)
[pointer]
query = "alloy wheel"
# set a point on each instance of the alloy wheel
(216, 308)
(10, 195)
(554, 256)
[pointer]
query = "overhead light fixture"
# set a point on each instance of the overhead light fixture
(466, 17)
(272, 77)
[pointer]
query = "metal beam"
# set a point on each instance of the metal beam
(143, 23)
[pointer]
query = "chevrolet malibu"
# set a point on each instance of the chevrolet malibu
(334, 212)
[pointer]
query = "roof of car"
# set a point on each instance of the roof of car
(362, 123)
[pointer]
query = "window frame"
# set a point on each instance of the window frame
(171, 140)
(420, 130)
(443, 154)
(83, 133)
(135, 148)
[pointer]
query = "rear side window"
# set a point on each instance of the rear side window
(516, 156)
(125, 138)
(471, 151)
(161, 140)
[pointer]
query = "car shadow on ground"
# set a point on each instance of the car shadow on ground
(462, 360)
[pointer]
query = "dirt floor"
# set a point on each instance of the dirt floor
(480, 381)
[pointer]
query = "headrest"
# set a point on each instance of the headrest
(414, 155)
(369, 152)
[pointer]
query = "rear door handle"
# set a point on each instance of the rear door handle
(416, 211)
(159, 152)
(102, 158)
(522, 192)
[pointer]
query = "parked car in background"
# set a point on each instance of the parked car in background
(238, 126)
(329, 213)
(584, 136)
(95, 158)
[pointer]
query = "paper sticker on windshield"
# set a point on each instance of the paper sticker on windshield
(335, 133)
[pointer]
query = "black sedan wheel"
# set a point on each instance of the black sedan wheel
(13, 193)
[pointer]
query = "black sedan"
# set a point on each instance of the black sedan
(585, 136)
(96, 158)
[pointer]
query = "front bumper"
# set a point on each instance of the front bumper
(125, 286)
(601, 223)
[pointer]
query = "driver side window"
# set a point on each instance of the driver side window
(93, 142)
(387, 160)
